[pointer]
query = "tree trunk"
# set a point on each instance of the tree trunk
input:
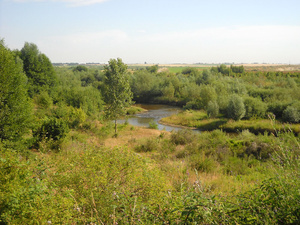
(115, 127)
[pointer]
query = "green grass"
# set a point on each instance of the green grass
(134, 110)
(200, 120)
(178, 69)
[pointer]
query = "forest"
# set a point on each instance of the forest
(64, 159)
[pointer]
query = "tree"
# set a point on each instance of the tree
(38, 68)
(236, 108)
(292, 113)
(254, 108)
(15, 106)
(117, 92)
(80, 68)
(212, 109)
(152, 69)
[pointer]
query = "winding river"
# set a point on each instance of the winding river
(154, 113)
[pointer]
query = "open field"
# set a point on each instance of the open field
(175, 68)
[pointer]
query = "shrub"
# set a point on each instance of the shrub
(236, 108)
(212, 109)
(203, 164)
(292, 113)
(182, 137)
(277, 108)
(153, 125)
(44, 100)
(149, 146)
(254, 108)
(52, 130)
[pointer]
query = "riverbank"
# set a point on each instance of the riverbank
(200, 121)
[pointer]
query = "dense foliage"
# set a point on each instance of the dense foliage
(117, 92)
(60, 165)
(15, 106)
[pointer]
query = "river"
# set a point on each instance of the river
(154, 113)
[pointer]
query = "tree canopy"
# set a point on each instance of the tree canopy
(117, 91)
(15, 107)
(38, 68)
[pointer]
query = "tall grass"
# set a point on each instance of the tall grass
(177, 178)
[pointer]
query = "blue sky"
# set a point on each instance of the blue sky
(156, 31)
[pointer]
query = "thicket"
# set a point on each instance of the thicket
(260, 92)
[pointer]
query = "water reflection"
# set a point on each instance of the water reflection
(153, 113)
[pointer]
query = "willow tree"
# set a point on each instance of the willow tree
(117, 92)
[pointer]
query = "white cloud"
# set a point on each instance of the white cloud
(73, 3)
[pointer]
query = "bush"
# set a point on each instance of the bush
(255, 108)
(149, 146)
(182, 137)
(44, 100)
(52, 130)
(277, 108)
(292, 113)
(212, 109)
(153, 125)
(203, 164)
(236, 108)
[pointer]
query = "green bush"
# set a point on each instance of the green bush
(292, 113)
(52, 130)
(255, 108)
(203, 164)
(277, 108)
(182, 137)
(236, 108)
(43, 100)
(212, 109)
(153, 125)
(149, 145)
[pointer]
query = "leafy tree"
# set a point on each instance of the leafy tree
(152, 69)
(223, 69)
(117, 91)
(38, 68)
(212, 109)
(292, 113)
(237, 69)
(80, 68)
(206, 77)
(254, 108)
(15, 107)
(52, 130)
(191, 71)
(207, 94)
(236, 108)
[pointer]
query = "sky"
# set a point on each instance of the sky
(155, 31)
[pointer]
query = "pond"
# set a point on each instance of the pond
(154, 113)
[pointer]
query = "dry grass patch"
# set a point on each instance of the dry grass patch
(131, 135)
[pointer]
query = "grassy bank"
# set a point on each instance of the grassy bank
(200, 120)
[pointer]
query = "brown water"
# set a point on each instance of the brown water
(154, 113)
